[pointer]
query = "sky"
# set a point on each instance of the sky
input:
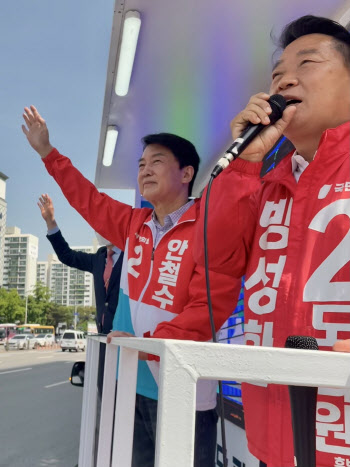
(54, 55)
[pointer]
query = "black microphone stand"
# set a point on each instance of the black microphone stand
(303, 402)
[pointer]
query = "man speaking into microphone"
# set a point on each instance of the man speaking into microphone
(289, 233)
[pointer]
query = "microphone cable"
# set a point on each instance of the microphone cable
(278, 105)
(211, 318)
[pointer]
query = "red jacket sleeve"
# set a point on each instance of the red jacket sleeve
(232, 218)
(108, 217)
(193, 322)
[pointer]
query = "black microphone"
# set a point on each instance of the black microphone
(303, 406)
(277, 104)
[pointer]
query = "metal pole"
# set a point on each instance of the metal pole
(26, 313)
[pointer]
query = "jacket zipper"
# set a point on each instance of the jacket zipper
(151, 268)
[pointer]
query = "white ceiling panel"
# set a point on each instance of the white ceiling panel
(196, 65)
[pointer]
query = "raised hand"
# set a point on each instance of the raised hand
(47, 211)
(258, 111)
(36, 131)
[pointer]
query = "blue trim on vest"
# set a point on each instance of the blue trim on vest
(146, 384)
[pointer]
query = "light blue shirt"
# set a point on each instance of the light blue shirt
(169, 221)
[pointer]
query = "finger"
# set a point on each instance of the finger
(25, 131)
(255, 114)
(342, 346)
(143, 356)
(272, 133)
(287, 117)
(249, 116)
(261, 95)
(36, 114)
(29, 114)
(27, 120)
(262, 103)
(109, 337)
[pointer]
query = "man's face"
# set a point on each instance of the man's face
(160, 178)
(313, 72)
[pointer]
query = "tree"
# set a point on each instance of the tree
(59, 314)
(12, 306)
(39, 304)
(85, 314)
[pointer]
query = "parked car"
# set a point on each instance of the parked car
(42, 340)
(32, 342)
(50, 339)
(20, 341)
(73, 340)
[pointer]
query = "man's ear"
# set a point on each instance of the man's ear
(187, 173)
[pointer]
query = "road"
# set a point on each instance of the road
(40, 410)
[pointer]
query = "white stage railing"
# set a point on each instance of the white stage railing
(182, 363)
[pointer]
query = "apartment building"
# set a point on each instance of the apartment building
(41, 272)
(70, 286)
(20, 259)
(3, 210)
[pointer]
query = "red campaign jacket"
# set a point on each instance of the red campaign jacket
(185, 316)
(292, 240)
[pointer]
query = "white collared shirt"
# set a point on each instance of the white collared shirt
(299, 164)
(116, 254)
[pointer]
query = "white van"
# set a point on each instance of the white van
(73, 340)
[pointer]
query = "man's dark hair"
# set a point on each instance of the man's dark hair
(183, 150)
(317, 25)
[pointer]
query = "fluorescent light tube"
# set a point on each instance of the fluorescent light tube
(110, 143)
(131, 29)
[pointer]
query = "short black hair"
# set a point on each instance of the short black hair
(318, 25)
(183, 150)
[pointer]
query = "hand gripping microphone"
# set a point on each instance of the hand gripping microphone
(303, 406)
(277, 104)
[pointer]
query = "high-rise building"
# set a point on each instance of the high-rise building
(3, 209)
(41, 272)
(70, 286)
(21, 254)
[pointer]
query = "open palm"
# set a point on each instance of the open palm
(46, 207)
(36, 131)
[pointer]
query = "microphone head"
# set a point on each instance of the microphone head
(277, 104)
(301, 342)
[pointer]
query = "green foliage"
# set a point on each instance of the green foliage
(40, 310)
(41, 293)
(39, 304)
(12, 306)
(60, 314)
(85, 314)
